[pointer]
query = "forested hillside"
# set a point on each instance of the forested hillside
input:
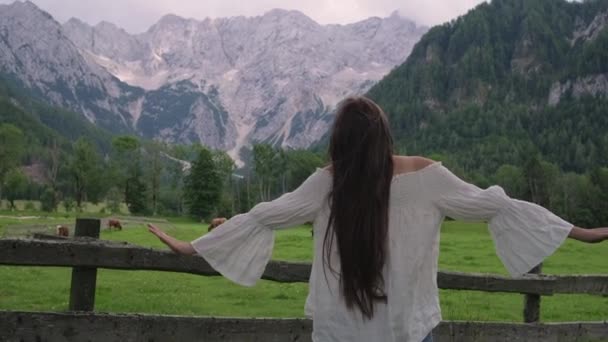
(515, 92)
(42, 124)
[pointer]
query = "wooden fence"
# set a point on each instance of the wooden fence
(85, 253)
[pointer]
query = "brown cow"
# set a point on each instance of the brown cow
(216, 222)
(113, 223)
(62, 231)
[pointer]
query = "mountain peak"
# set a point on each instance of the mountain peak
(25, 4)
(171, 19)
(397, 17)
(77, 23)
(168, 20)
(284, 12)
(111, 28)
(21, 8)
(106, 25)
(293, 15)
(30, 17)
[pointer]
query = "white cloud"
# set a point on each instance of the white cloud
(139, 15)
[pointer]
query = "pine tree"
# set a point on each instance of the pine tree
(135, 194)
(263, 155)
(202, 186)
(11, 149)
(125, 150)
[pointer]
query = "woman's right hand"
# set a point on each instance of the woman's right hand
(178, 246)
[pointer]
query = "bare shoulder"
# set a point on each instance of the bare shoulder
(405, 164)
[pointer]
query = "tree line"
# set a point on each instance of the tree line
(154, 178)
(149, 177)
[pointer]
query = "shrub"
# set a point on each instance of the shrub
(29, 205)
(68, 204)
(48, 200)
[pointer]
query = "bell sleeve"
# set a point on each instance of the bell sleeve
(524, 233)
(241, 247)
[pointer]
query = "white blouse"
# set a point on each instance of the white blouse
(524, 234)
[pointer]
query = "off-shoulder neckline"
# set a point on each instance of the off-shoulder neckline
(399, 175)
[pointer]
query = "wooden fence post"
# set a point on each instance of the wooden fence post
(532, 301)
(84, 279)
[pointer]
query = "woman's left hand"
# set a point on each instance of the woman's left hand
(589, 235)
(178, 246)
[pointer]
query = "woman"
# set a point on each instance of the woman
(376, 233)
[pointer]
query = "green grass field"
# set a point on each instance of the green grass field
(464, 247)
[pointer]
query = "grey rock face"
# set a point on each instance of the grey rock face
(594, 85)
(591, 31)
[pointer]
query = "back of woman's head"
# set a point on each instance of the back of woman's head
(361, 150)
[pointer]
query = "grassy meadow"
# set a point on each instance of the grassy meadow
(464, 247)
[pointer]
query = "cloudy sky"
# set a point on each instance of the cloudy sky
(138, 15)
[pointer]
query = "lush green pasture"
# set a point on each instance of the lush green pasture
(464, 247)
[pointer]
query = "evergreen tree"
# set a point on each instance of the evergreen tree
(11, 149)
(202, 186)
(599, 195)
(135, 195)
(125, 151)
(263, 155)
(540, 177)
(154, 167)
(225, 167)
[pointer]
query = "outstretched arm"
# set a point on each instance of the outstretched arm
(289, 210)
(524, 233)
(589, 235)
(178, 246)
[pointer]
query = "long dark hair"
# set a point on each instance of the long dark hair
(361, 152)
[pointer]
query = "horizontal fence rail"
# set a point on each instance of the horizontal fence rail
(87, 252)
(93, 327)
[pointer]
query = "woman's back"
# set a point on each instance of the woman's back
(410, 311)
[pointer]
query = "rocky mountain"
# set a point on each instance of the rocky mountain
(38, 56)
(224, 82)
(510, 79)
(270, 78)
